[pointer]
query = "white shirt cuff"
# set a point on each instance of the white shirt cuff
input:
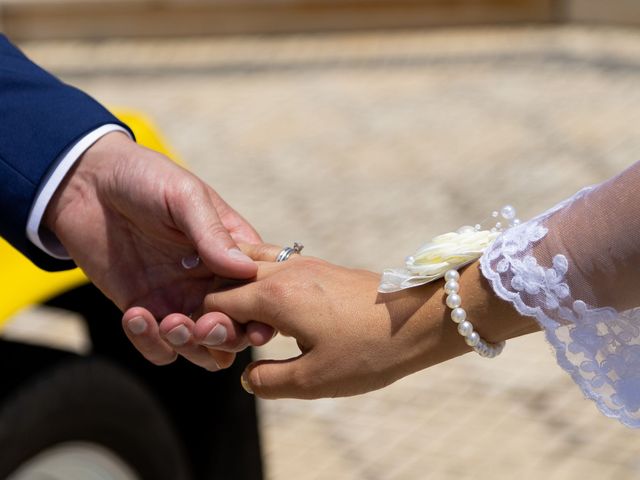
(42, 237)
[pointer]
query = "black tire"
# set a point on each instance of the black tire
(90, 400)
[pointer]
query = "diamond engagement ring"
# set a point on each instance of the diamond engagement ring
(286, 252)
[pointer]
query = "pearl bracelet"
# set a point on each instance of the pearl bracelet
(459, 316)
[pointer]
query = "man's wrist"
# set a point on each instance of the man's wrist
(83, 178)
(36, 229)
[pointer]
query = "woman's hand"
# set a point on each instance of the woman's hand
(353, 340)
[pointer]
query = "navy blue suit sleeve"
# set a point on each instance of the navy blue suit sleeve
(40, 117)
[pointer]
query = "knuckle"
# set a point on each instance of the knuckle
(183, 191)
(271, 298)
(313, 262)
(209, 302)
(303, 384)
(262, 384)
(313, 267)
(187, 186)
(274, 291)
(213, 230)
(264, 251)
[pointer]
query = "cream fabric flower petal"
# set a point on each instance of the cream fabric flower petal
(434, 259)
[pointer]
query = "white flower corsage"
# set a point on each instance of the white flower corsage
(445, 252)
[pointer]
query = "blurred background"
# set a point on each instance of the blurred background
(363, 128)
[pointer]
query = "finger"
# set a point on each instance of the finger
(217, 331)
(222, 358)
(241, 303)
(220, 283)
(142, 331)
(177, 329)
(249, 306)
(259, 334)
(239, 229)
(244, 233)
(263, 252)
(195, 214)
(262, 302)
(290, 378)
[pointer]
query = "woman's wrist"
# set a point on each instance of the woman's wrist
(493, 318)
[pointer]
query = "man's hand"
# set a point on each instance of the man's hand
(128, 216)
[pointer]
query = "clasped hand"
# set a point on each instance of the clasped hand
(352, 340)
(128, 215)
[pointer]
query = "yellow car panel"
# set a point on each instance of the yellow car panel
(23, 284)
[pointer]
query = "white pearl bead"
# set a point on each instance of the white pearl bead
(508, 212)
(473, 339)
(482, 349)
(466, 229)
(458, 315)
(454, 300)
(452, 275)
(465, 328)
(451, 287)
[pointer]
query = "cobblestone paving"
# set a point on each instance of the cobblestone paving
(362, 146)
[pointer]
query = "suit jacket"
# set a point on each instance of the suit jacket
(40, 118)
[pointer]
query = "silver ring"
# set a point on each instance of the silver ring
(286, 252)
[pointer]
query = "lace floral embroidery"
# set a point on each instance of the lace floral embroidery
(598, 347)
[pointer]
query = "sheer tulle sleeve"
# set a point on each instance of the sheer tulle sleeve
(576, 269)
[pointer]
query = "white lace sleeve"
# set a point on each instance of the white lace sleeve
(576, 269)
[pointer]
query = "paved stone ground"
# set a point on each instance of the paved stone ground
(363, 146)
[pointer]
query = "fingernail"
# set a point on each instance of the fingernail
(216, 336)
(178, 336)
(238, 256)
(137, 325)
(192, 261)
(244, 381)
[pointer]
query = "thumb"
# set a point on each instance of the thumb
(198, 218)
(290, 378)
